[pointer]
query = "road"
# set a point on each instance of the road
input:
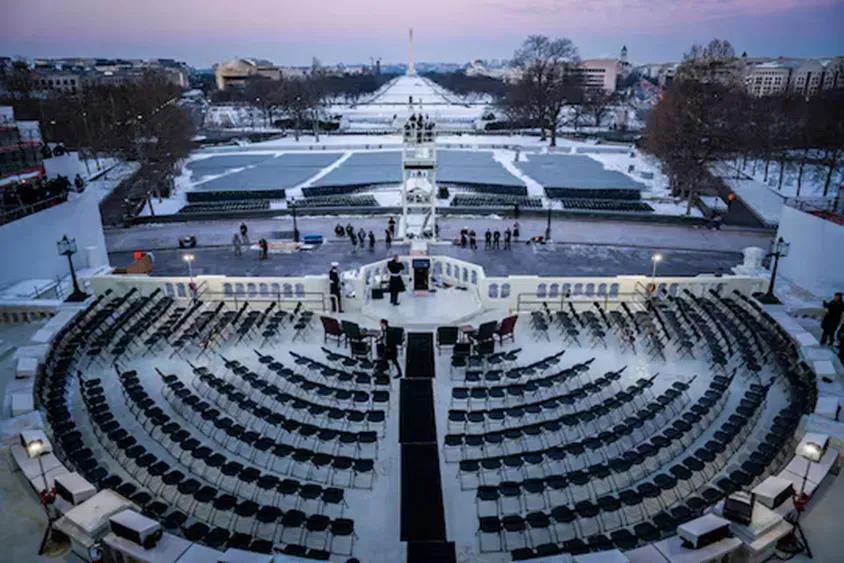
(580, 247)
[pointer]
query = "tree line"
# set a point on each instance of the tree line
(707, 116)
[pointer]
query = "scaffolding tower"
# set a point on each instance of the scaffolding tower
(419, 179)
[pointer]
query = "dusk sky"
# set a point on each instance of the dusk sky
(203, 32)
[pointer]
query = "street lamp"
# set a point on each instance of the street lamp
(67, 247)
(295, 226)
(656, 259)
(34, 445)
(189, 259)
(780, 250)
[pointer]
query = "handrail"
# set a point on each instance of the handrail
(569, 298)
(313, 297)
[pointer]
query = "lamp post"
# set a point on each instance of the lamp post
(189, 259)
(35, 450)
(780, 250)
(656, 259)
(67, 247)
(295, 226)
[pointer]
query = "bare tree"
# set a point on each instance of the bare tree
(597, 104)
(709, 62)
(546, 83)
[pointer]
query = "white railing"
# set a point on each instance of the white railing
(311, 291)
(508, 293)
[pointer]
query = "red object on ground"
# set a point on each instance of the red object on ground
(137, 255)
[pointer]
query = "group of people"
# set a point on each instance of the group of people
(359, 238)
(362, 238)
(242, 238)
(831, 324)
(492, 239)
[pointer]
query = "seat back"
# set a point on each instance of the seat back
(447, 335)
(351, 330)
(486, 330)
(507, 326)
(331, 326)
(359, 348)
(395, 336)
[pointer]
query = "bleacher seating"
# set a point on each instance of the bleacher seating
(487, 189)
(227, 206)
(605, 205)
(489, 200)
(586, 193)
(336, 201)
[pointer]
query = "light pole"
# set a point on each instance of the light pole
(780, 250)
(35, 450)
(189, 259)
(295, 226)
(656, 259)
(67, 247)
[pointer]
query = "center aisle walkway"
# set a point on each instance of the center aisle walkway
(422, 512)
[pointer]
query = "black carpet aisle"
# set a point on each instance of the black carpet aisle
(422, 512)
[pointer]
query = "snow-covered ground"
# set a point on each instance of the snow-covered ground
(811, 184)
(766, 203)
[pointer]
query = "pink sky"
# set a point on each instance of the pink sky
(292, 31)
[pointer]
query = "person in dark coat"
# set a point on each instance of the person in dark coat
(496, 239)
(334, 287)
(244, 233)
(841, 344)
(388, 238)
(396, 282)
(487, 239)
(832, 318)
(371, 237)
(388, 350)
(508, 234)
(264, 248)
(473, 241)
(391, 226)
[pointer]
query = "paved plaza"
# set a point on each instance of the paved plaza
(580, 247)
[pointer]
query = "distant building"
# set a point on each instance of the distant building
(74, 75)
(236, 72)
(20, 148)
(802, 77)
(599, 74)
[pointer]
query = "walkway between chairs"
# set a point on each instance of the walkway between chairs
(422, 512)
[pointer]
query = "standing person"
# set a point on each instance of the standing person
(391, 226)
(334, 287)
(473, 242)
(350, 230)
(396, 282)
(354, 240)
(264, 248)
(841, 344)
(371, 240)
(362, 237)
(496, 239)
(236, 244)
(516, 230)
(387, 349)
(244, 233)
(832, 318)
(463, 234)
(388, 238)
(487, 239)
(508, 234)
